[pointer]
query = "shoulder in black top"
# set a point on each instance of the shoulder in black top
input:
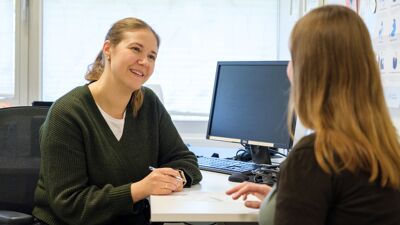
(308, 195)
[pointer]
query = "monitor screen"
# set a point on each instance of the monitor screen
(249, 104)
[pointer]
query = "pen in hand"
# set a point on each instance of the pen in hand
(178, 178)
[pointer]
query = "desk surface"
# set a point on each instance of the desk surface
(204, 202)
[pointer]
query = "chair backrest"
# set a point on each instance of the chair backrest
(157, 90)
(19, 156)
(41, 103)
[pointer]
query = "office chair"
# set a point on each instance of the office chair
(19, 161)
(41, 103)
(157, 90)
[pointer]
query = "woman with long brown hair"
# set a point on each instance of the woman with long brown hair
(347, 171)
(101, 141)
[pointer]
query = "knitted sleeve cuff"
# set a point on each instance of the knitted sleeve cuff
(121, 199)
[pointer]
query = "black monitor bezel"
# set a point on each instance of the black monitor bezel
(245, 142)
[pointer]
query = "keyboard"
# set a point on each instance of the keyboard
(227, 166)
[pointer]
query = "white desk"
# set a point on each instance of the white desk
(204, 202)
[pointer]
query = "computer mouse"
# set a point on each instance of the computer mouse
(238, 177)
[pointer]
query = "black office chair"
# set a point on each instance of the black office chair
(41, 103)
(19, 161)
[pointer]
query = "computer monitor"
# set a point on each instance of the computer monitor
(249, 106)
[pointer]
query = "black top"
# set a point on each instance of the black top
(307, 195)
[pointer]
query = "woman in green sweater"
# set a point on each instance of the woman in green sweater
(100, 139)
(347, 171)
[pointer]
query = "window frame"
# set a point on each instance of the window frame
(28, 61)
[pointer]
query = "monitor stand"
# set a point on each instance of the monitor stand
(256, 154)
(259, 154)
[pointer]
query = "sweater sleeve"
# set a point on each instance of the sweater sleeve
(66, 179)
(174, 153)
(304, 190)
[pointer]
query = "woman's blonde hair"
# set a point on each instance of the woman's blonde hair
(337, 92)
(115, 35)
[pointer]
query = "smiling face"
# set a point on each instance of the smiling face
(132, 60)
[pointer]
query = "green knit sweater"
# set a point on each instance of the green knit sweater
(86, 173)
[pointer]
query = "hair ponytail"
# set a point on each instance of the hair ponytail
(96, 68)
(137, 101)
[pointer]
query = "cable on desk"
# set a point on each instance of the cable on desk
(242, 155)
(278, 153)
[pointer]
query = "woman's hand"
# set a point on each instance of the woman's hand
(246, 188)
(162, 181)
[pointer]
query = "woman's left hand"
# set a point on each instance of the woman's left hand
(175, 174)
(162, 181)
(169, 181)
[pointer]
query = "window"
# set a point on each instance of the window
(194, 36)
(7, 38)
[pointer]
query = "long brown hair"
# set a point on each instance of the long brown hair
(115, 35)
(337, 92)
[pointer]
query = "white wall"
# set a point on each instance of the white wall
(194, 132)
